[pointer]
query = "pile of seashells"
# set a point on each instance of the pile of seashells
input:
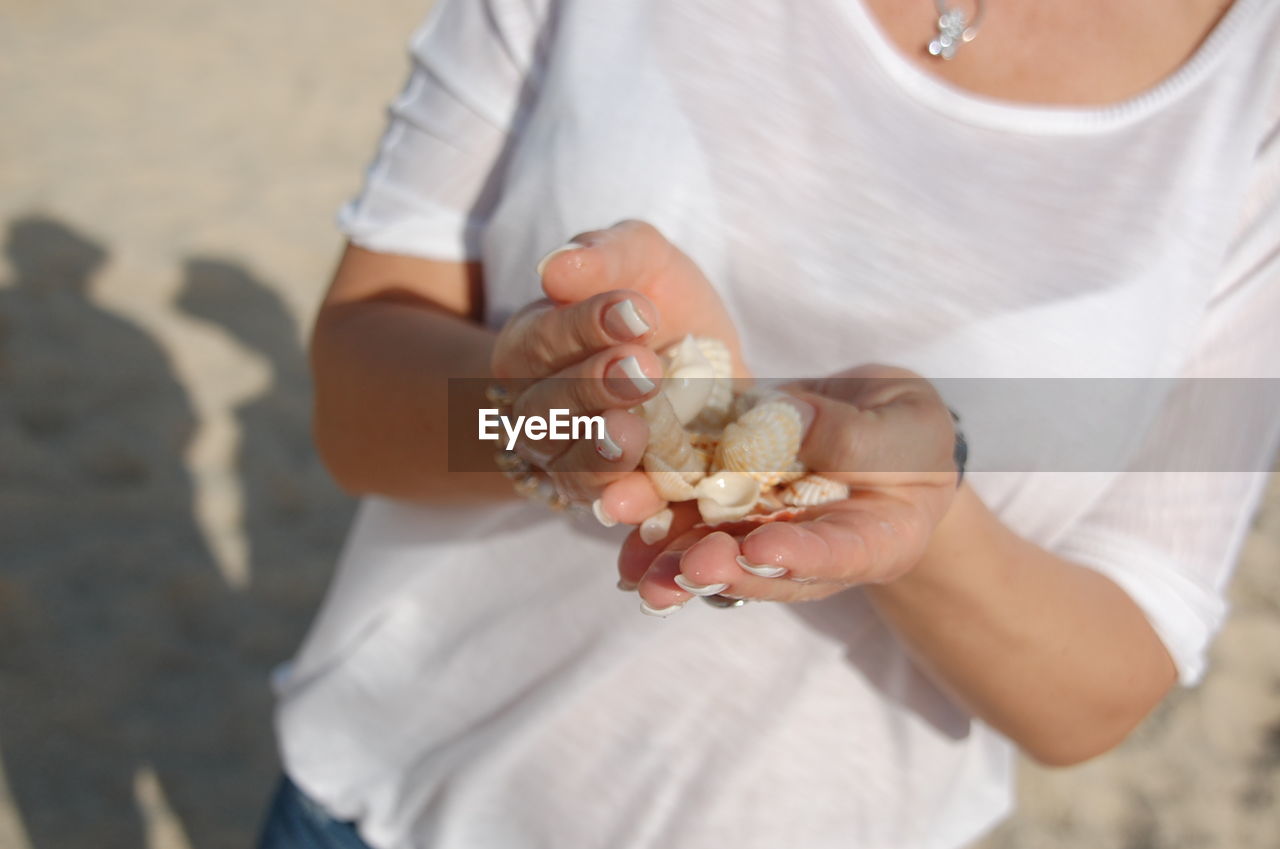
(736, 455)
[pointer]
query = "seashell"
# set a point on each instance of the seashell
(671, 484)
(688, 379)
(656, 527)
(726, 496)
(812, 490)
(762, 443)
(668, 440)
(715, 411)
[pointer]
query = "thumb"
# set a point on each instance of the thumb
(881, 430)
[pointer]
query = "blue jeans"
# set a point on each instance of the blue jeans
(296, 822)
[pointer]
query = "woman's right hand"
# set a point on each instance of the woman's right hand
(615, 297)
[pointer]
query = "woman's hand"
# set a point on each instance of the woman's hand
(614, 297)
(886, 434)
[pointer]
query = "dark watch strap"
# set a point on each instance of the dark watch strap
(961, 453)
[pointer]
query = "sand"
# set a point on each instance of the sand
(168, 176)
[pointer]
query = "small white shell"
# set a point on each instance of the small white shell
(726, 496)
(688, 379)
(656, 527)
(812, 490)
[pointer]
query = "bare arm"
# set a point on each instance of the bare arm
(1053, 654)
(391, 331)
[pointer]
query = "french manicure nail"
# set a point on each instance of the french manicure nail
(656, 527)
(542, 263)
(626, 586)
(601, 514)
(699, 589)
(632, 376)
(624, 322)
(606, 447)
(660, 612)
(761, 571)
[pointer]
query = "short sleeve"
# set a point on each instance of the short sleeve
(433, 181)
(1169, 530)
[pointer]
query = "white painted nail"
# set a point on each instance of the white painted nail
(660, 612)
(623, 321)
(606, 447)
(699, 589)
(656, 527)
(631, 368)
(542, 263)
(601, 514)
(762, 571)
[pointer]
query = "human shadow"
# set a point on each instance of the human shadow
(123, 651)
(114, 657)
(295, 517)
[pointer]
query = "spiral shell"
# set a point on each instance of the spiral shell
(671, 460)
(763, 443)
(812, 490)
(715, 412)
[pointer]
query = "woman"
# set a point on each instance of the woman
(1084, 190)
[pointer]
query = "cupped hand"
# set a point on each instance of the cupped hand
(885, 433)
(614, 297)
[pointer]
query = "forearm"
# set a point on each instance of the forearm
(1052, 654)
(381, 369)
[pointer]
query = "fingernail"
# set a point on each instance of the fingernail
(762, 571)
(627, 379)
(656, 527)
(660, 612)
(699, 589)
(627, 586)
(806, 580)
(624, 322)
(606, 447)
(542, 263)
(601, 514)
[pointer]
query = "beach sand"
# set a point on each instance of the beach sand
(168, 177)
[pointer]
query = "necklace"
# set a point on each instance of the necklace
(954, 28)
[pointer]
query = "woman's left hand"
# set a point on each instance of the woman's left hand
(885, 433)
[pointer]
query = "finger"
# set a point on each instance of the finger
(618, 378)
(544, 338)
(633, 500)
(637, 555)
(660, 595)
(635, 255)
(886, 435)
(869, 539)
(712, 566)
(628, 255)
(611, 453)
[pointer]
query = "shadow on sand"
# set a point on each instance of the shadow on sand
(122, 650)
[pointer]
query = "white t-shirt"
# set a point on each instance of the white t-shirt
(474, 680)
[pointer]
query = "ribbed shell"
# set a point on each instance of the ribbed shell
(812, 490)
(763, 443)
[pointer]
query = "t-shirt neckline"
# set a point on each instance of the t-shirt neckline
(1016, 116)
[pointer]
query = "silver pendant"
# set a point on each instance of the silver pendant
(954, 29)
